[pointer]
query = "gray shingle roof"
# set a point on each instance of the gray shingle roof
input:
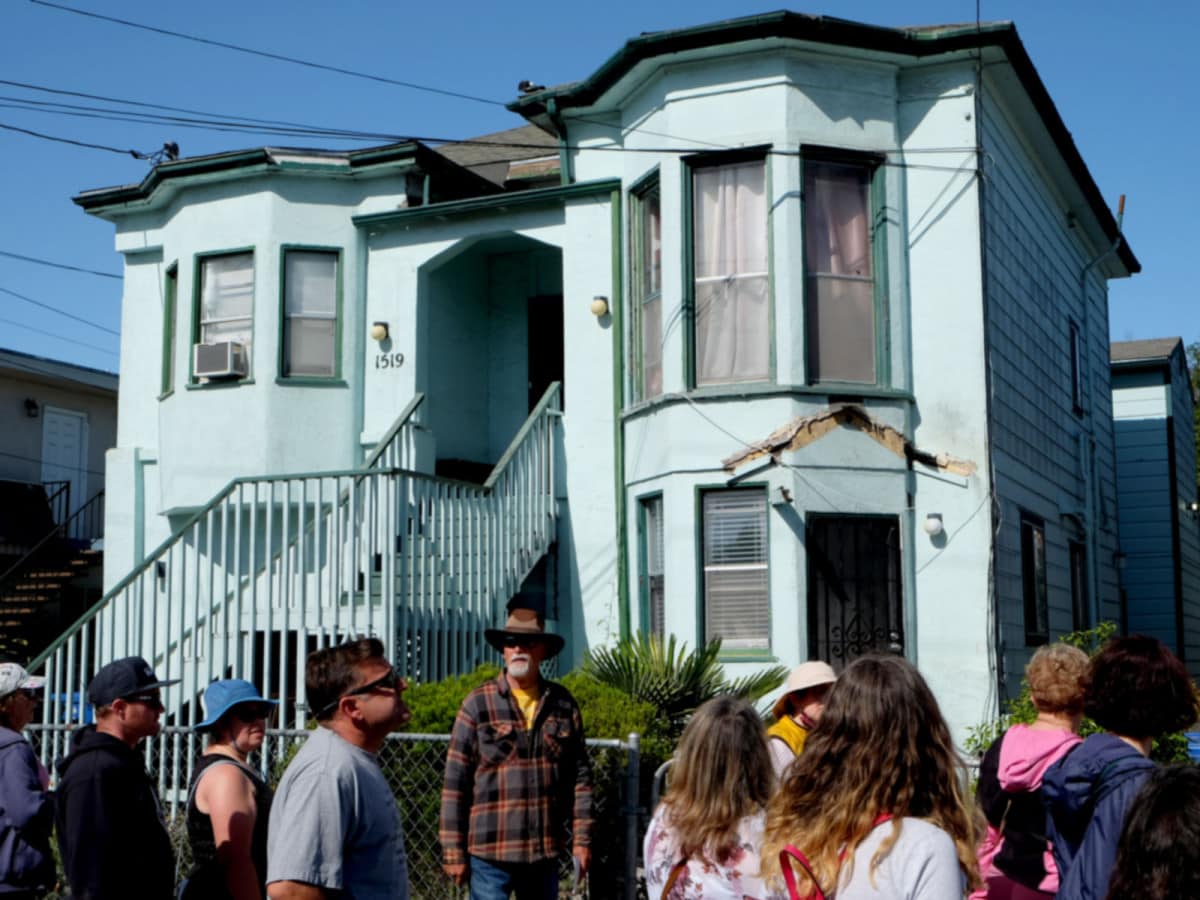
(491, 156)
(1154, 348)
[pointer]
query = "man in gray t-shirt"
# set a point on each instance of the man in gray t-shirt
(335, 827)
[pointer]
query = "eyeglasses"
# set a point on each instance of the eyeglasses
(247, 713)
(392, 681)
(150, 699)
(34, 694)
(523, 640)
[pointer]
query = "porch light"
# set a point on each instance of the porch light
(379, 331)
(599, 305)
(1120, 560)
(31, 407)
(933, 524)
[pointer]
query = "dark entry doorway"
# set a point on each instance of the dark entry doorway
(545, 347)
(855, 597)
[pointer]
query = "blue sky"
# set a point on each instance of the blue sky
(1123, 77)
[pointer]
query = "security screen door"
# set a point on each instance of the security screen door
(855, 599)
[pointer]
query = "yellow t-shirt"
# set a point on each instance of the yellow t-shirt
(527, 702)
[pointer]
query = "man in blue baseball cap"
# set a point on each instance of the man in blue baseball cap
(111, 830)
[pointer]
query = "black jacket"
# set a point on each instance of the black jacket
(111, 832)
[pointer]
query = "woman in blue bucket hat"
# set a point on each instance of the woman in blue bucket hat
(229, 803)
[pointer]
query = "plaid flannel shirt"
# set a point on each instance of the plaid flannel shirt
(510, 790)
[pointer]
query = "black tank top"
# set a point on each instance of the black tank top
(208, 878)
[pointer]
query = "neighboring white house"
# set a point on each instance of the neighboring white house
(1156, 487)
(827, 304)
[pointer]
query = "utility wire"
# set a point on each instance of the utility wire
(268, 55)
(57, 265)
(59, 337)
(61, 312)
(62, 140)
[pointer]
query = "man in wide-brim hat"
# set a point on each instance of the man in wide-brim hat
(517, 758)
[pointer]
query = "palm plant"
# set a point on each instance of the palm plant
(672, 678)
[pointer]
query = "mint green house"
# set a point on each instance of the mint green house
(785, 330)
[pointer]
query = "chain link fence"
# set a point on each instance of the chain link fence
(414, 765)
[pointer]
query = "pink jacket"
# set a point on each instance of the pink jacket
(1025, 755)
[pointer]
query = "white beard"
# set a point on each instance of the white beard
(518, 667)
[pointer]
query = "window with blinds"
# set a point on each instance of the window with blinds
(227, 299)
(737, 601)
(310, 294)
(652, 581)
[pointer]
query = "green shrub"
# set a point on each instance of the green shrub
(1170, 748)
(435, 704)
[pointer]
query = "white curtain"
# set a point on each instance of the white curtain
(732, 316)
(651, 293)
(227, 298)
(840, 284)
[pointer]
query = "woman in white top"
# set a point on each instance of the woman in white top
(703, 841)
(875, 803)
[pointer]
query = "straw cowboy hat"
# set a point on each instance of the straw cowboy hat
(527, 624)
(804, 676)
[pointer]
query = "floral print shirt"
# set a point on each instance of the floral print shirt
(704, 879)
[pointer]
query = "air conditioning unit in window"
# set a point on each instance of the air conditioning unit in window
(226, 359)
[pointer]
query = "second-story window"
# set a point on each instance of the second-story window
(310, 307)
(730, 285)
(839, 286)
(647, 286)
(1076, 371)
(227, 299)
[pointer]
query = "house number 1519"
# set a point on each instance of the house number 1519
(389, 360)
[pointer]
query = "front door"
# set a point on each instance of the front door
(855, 599)
(64, 451)
(545, 347)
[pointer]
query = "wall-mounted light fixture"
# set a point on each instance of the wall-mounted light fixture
(1120, 560)
(933, 524)
(31, 408)
(379, 331)
(599, 305)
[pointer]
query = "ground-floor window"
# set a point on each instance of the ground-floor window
(1081, 614)
(737, 600)
(855, 589)
(651, 580)
(1033, 580)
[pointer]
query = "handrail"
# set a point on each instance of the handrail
(550, 394)
(388, 436)
(64, 528)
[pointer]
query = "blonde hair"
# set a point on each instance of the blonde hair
(881, 747)
(1056, 678)
(721, 774)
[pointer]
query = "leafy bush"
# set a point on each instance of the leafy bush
(670, 678)
(1170, 748)
(435, 704)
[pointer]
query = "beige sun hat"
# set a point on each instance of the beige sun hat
(804, 676)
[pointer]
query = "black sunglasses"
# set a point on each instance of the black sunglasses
(391, 680)
(150, 699)
(31, 693)
(248, 713)
(523, 640)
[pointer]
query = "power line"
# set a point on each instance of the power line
(61, 312)
(59, 337)
(268, 55)
(35, 460)
(57, 265)
(62, 140)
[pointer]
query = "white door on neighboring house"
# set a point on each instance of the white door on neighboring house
(64, 451)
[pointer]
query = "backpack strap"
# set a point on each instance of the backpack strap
(676, 871)
(790, 852)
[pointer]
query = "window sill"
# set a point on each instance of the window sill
(218, 385)
(310, 381)
(757, 390)
(747, 656)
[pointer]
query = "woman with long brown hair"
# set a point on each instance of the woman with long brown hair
(875, 806)
(704, 837)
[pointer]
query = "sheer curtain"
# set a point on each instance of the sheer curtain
(840, 285)
(227, 298)
(310, 305)
(732, 326)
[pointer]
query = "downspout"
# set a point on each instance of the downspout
(565, 173)
(357, 331)
(618, 387)
(1088, 466)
